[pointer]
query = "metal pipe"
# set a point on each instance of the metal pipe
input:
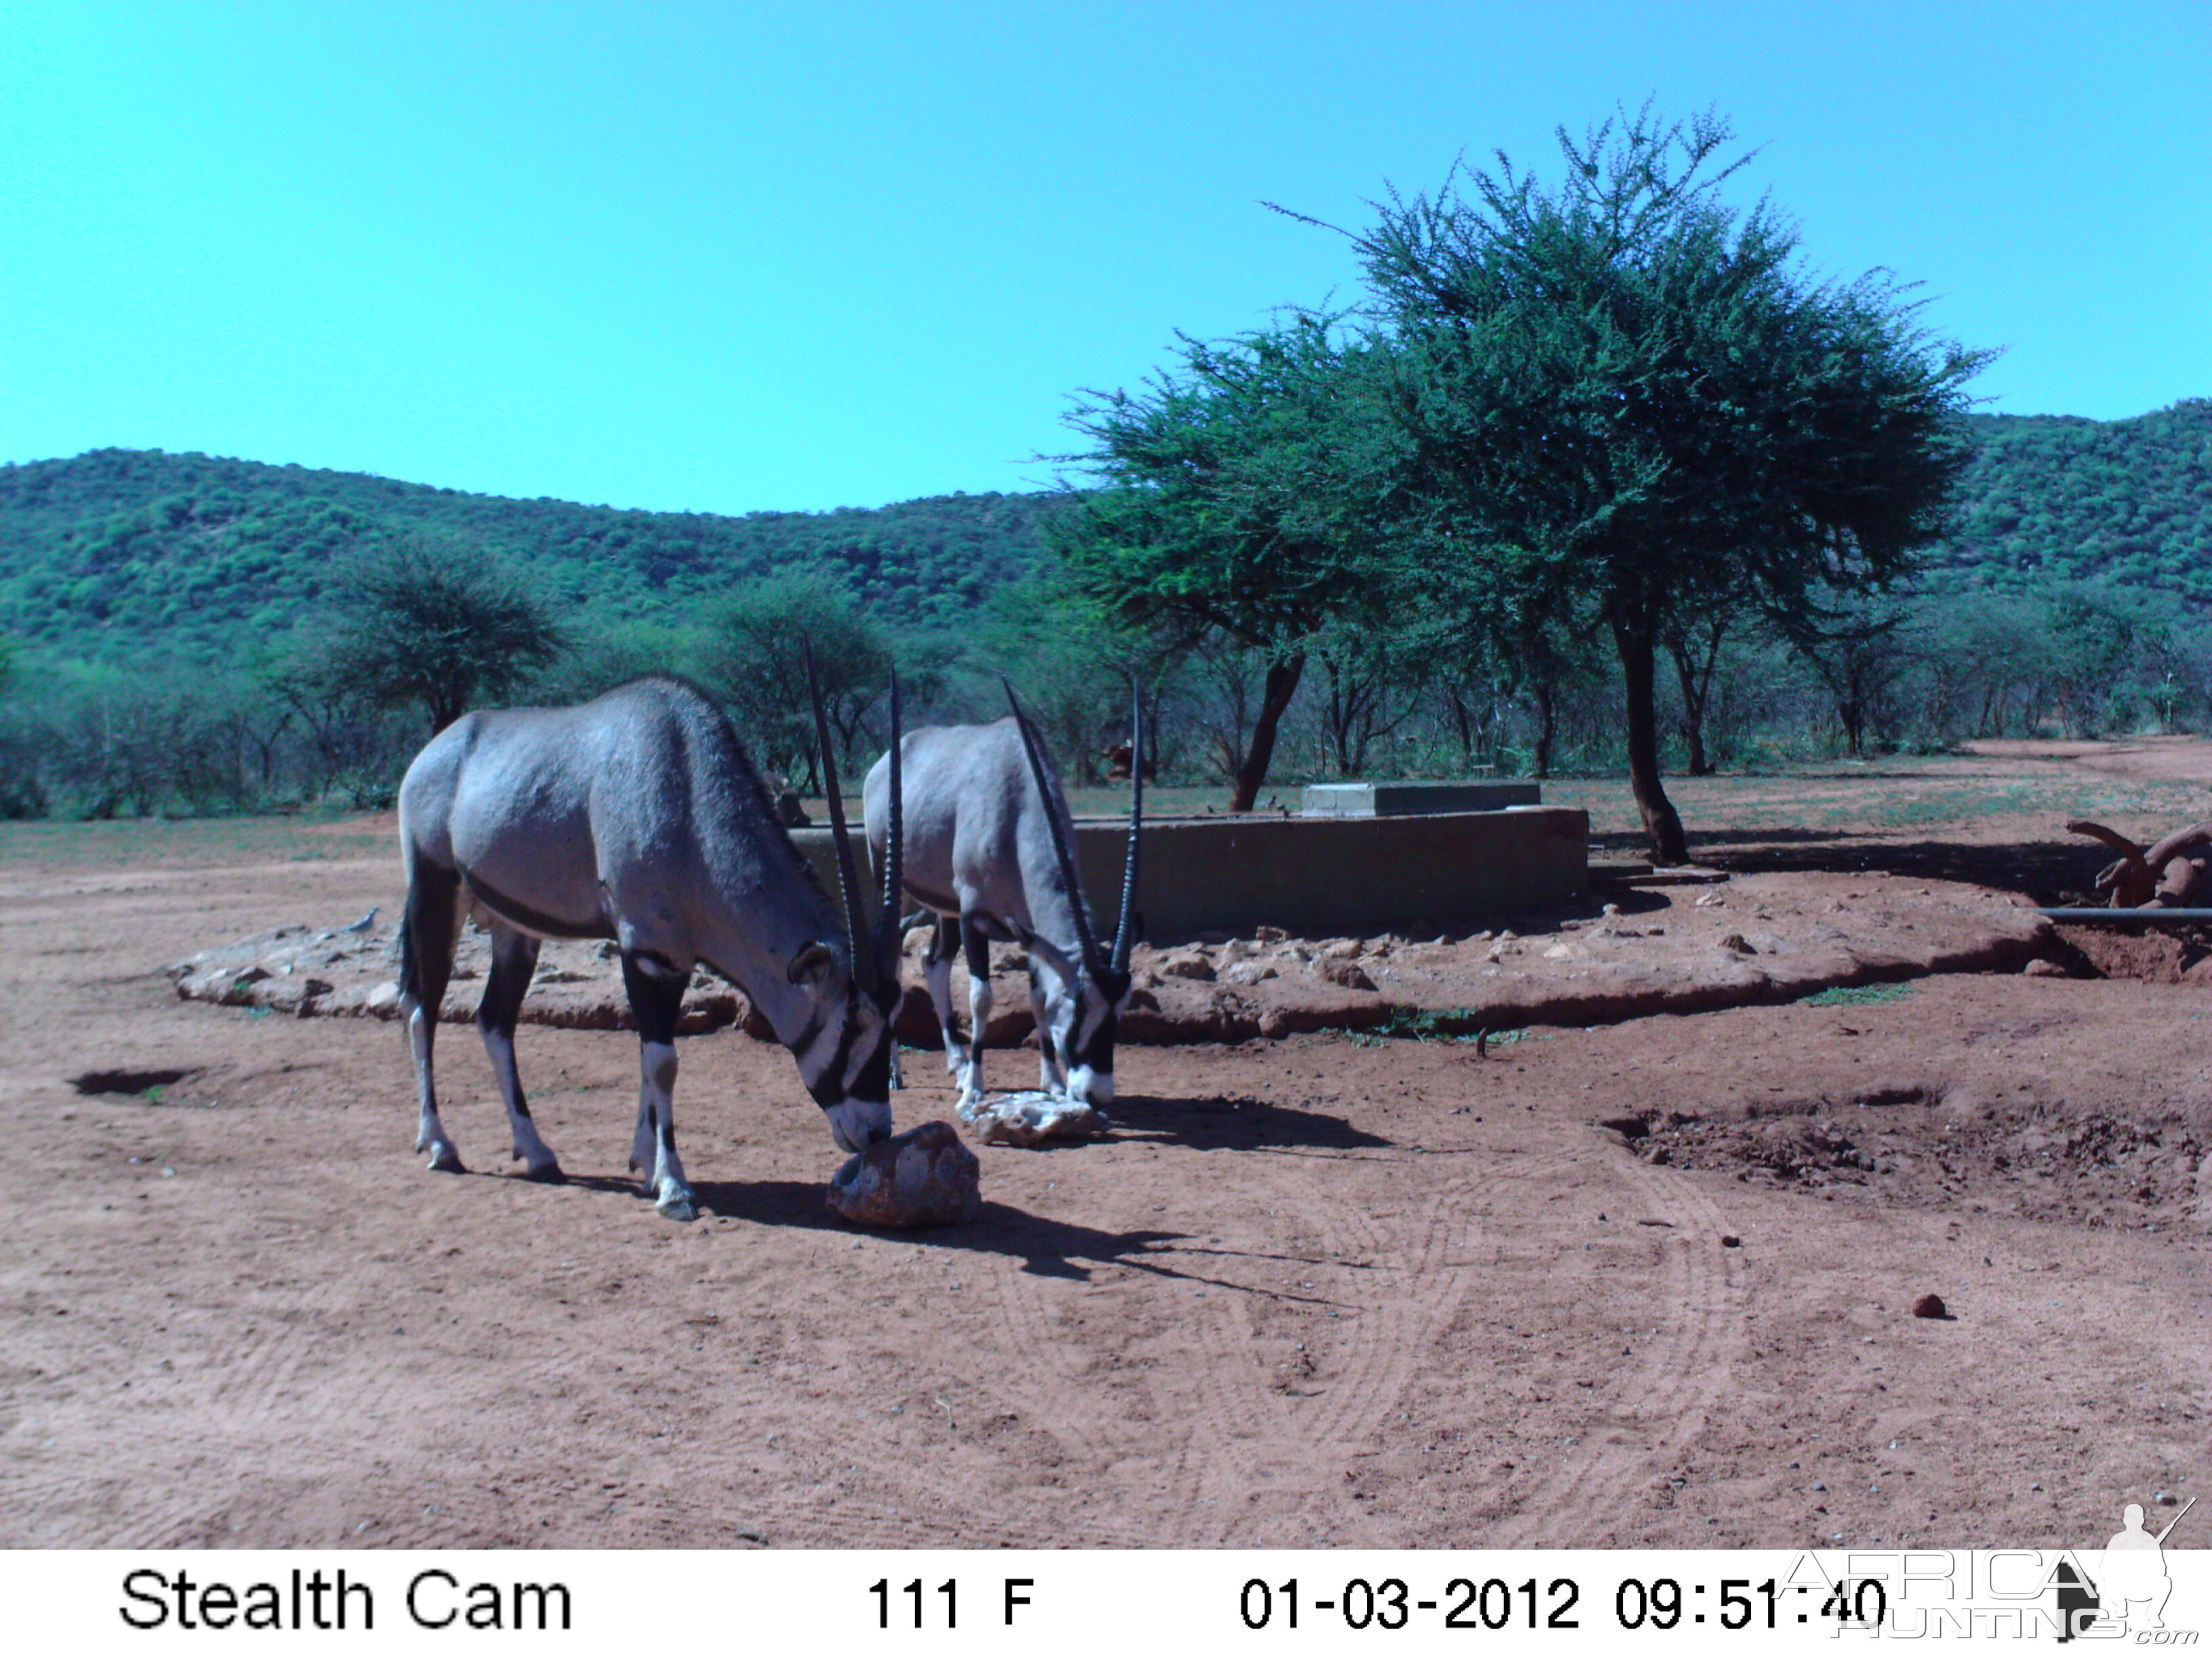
(2098, 916)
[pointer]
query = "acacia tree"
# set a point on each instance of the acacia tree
(1242, 498)
(438, 624)
(754, 657)
(1374, 681)
(1074, 663)
(1621, 391)
(1854, 645)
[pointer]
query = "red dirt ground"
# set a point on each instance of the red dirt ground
(1647, 1283)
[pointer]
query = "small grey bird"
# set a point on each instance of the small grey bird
(364, 924)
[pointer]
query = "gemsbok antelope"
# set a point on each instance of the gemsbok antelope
(637, 817)
(989, 847)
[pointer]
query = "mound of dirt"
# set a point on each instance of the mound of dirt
(2036, 1159)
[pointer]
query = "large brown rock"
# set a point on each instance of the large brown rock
(923, 1178)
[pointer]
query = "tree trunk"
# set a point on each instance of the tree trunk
(1282, 683)
(1546, 719)
(1696, 680)
(1340, 720)
(1463, 722)
(1635, 637)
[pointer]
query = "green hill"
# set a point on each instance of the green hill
(131, 556)
(2053, 499)
(122, 555)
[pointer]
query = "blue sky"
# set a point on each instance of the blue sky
(727, 258)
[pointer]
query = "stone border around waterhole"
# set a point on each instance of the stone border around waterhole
(1749, 940)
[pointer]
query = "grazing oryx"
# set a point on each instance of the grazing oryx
(989, 847)
(637, 817)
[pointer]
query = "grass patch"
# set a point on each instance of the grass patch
(1432, 1025)
(1841, 996)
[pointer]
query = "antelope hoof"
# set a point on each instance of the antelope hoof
(676, 1206)
(548, 1173)
(444, 1158)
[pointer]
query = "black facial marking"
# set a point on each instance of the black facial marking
(829, 1089)
(1098, 1052)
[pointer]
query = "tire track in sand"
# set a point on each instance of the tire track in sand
(1394, 1289)
(1697, 1306)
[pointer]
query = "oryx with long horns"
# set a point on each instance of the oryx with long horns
(637, 817)
(989, 847)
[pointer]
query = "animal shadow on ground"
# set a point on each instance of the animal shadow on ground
(1047, 1247)
(1234, 1123)
(1056, 1250)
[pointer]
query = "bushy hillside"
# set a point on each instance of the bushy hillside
(127, 554)
(2053, 499)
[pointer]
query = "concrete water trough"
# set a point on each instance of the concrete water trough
(1325, 876)
(1421, 797)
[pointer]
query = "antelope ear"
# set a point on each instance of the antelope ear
(810, 965)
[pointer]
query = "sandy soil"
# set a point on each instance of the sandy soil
(1641, 1282)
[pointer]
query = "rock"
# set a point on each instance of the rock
(709, 1011)
(1032, 1118)
(1269, 935)
(385, 996)
(1347, 973)
(1249, 973)
(1186, 964)
(235, 986)
(1559, 952)
(923, 1178)
(1737, 943)
(1728, 1241)
(2043, 968)
(1302, 1004)
(1930, 1307)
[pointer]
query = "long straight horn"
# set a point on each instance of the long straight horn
(1062, 850)
(848, 879)
(1125, 930)
(887, 921)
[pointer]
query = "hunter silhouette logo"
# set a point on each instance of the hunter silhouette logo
(2130, 1590)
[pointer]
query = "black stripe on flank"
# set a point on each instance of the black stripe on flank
(531, 921)
(943, 906)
